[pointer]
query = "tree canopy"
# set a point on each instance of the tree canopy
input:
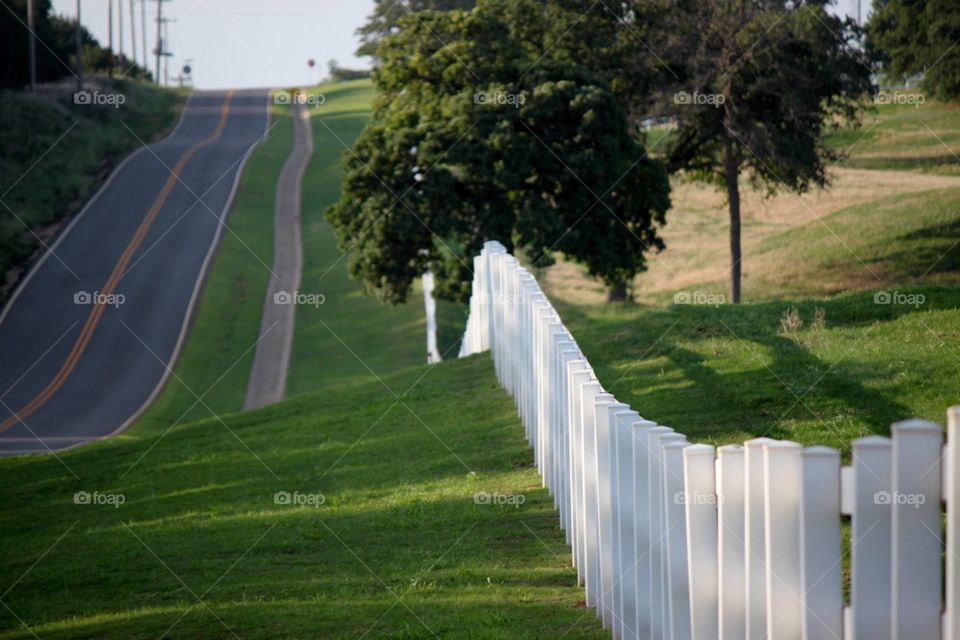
(387, 14)
(476, 137)
(918, 37)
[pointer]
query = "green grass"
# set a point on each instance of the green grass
(352, 334)
(922, 138)
(218, 354)
(724, 374)
(898, 240)
(398, 549)
(55, 154)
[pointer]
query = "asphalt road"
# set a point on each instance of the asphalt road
(91, 333)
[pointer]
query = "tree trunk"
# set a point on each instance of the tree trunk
(732, 170)
(617, 293)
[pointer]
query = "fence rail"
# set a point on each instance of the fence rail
(674, 540)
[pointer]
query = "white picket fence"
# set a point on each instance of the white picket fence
(674, 540)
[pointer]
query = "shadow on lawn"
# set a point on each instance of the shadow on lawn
(726, 373)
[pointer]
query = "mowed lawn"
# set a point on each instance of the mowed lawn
(187, 532)
(382, 536)
(352, 335)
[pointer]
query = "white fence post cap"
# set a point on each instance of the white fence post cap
(698, 450)
(871, 442)
(820, 452)
(916, 425)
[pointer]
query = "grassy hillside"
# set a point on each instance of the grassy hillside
(399, 547)
(54, 154)
(352, 334)
(727, 373)
(889, 218)
(187, 533)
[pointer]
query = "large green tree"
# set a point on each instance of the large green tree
(386, 16)
(475, 138)
(751, 88)
(918, 37)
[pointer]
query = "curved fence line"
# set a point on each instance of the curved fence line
(674, 540)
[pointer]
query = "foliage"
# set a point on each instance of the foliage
(474, 138)
(55, 46)
(918, 37)
(342, 74)
(386, 16)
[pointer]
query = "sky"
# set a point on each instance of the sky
(241, 43)
(255, 43)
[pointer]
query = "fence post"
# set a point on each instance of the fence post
(622, 504)
(580, 374)
(820, 544)
(783, 469)
(566, 353)
(731, 533)
(656, 529)
(916, 530)
(677, 572)
(699, 468)
(591, 536)
(668, 519)
(755, 540)
(700, 493)
(604, 406)
(642, 435)
(633, 473)
(952, 460)
(870, 594)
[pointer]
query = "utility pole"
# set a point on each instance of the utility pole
(133, 31)
(143, 33)
(159, 49)
(79, 51)
(32, 39)
(120, 31)
(110, 59)
(167, 54)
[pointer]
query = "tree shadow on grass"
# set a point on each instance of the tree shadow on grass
(726, 373)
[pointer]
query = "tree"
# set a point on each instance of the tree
(387, 14)
(474, 139)
(51, 55)
(918, 37)
(753, 87)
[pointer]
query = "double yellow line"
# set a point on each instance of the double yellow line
(93, 319)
